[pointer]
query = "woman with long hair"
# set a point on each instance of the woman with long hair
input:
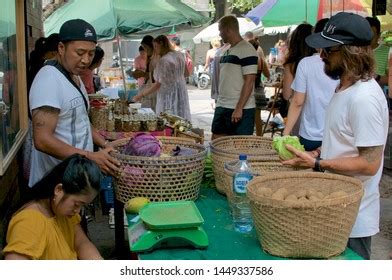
(170, 84)
(297, 50)
(47, 224)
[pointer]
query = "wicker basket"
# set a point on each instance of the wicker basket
(160, 178)
(310, 229)
(259, 168)
(229, 148)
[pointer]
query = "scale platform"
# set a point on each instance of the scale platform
(168, 224)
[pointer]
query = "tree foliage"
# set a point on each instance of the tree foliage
(244, 5)
(224, 7)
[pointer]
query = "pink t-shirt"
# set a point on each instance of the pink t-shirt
(87, 78)
(140, 63)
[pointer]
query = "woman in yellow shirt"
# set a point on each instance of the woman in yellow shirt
(47, 226)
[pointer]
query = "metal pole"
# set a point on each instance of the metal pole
(306, 10)
(121, 65)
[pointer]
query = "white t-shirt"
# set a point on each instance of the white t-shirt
(51, 88)
(236, 62)
(311, 80)
(358, 117)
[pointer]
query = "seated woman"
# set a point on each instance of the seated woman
(46, 227)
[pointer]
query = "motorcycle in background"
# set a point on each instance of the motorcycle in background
(200, 78)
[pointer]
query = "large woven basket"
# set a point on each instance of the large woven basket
(160, 178)
(259, 168)
(310, 229)
(229, 148)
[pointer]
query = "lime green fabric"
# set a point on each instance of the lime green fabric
(127, 17)
(381, 55)
(224, 242)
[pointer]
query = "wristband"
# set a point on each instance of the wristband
(317, 166)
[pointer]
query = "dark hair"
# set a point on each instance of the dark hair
(36, 61)
(374, 22)
(298, 48)
(99, 54)
(141, 48)
(254, 43)
(51, 43)
(230, 22)
(148, 41)
(320, 25)
(176, 41)
(77, 174)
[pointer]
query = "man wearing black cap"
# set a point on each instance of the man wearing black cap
(356, 123)
(59, 105)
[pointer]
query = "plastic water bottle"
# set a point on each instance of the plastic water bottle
(242, 218)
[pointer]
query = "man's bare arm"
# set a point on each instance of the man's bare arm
(45, 120)
(44, 125)
(366, 163)
(247, 88)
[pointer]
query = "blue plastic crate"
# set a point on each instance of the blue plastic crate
(107, 191)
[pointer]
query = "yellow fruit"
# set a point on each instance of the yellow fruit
(134, 205)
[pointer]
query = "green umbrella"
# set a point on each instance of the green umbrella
(7, 20)
(289, 12)
(127, 18)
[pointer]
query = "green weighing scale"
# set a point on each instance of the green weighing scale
(167, 224)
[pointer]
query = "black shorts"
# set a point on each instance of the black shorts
(221, 124)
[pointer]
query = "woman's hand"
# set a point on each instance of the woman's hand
(137, 97)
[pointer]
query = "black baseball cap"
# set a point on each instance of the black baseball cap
(77, 30)
(342, 29)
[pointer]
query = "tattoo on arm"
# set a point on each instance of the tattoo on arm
(371, 154)
(43, 113)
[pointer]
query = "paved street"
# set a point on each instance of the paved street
(201, 109)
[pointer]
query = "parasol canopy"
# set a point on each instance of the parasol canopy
(127, 18)
(275, 13)
(212, 31)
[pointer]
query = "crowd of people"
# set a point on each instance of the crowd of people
(333, 92)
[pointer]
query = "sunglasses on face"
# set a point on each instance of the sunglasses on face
(328, 51)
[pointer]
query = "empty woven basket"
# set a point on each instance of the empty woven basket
(229, 148)
(304, 229)
(160, 178)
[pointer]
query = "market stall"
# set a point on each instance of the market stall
(224, 242)
(117, 118)
(304, 215)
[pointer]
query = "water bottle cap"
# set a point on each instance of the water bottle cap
(243, 157)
